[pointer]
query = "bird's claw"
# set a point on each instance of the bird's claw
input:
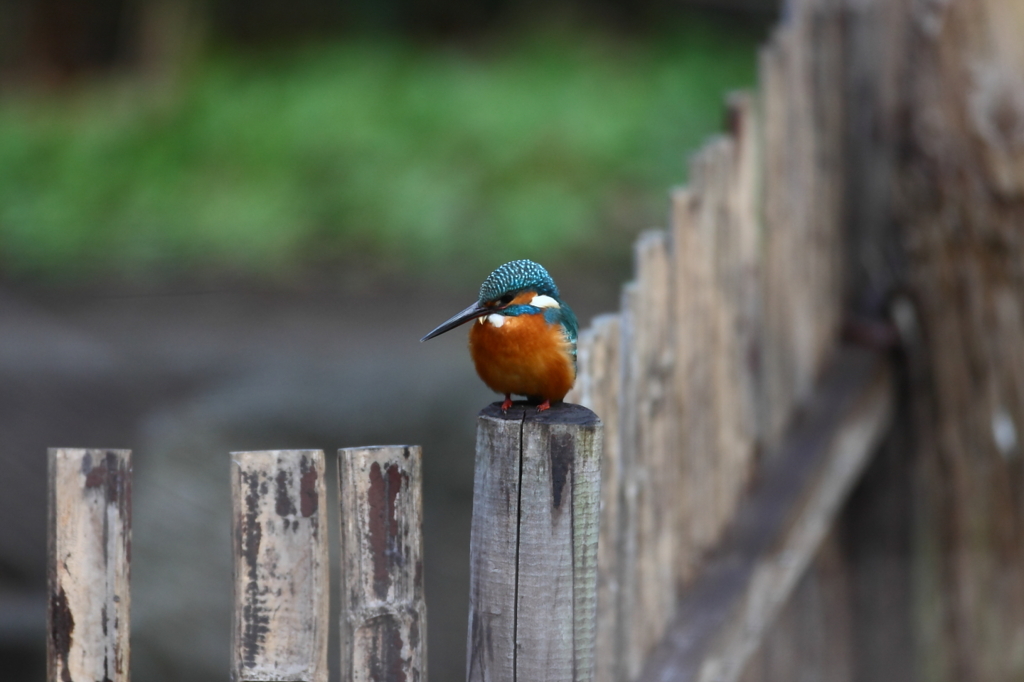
(546, 405)
(507, 404)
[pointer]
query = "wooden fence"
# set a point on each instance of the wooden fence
(733, 317)
(536, 611)
(876, 170)
(280, 521)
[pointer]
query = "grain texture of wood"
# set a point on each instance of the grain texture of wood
(383, 610)
(279, 524)
(533, 551)
(959, 200)
(89, 553)
(722, 619)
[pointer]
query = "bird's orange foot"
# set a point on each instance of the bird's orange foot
(546, 405)
(507, 404)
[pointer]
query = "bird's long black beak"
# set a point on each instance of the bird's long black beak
(471, 313)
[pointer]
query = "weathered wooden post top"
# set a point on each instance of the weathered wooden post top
(533, 548)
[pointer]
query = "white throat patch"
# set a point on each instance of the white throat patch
(494, 318)
(544, 302)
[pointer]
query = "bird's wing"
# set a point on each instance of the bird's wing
(564, 316)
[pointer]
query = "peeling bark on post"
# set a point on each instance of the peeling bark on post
(281, 578)
(383, 611)
(533, 548)
(89, 554)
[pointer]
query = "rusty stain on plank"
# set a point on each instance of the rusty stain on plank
(256, 622)
(283, 502)
(309, 501)
(62, 628)
(382, 497)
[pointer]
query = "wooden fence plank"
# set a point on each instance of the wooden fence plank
(598, 389)
(280, 566)
(803, 207)
(655, 474)
(89, 541)
(780, 525)
(629, 648)
(728, 182)
(711, 173)
(383, 611)
(693, 350)
(717, 231)
(533, 551)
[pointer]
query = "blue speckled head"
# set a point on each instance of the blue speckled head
(518, 275)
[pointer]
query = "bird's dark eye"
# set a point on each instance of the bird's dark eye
(506, 299)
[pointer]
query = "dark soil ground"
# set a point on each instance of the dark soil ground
(183, 379)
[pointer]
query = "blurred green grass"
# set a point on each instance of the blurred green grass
(547, 144)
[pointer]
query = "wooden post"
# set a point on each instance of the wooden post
(89, 551)
(533, 548)
(383, 611)
(281, 567)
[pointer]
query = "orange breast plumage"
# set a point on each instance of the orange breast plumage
(523, 355)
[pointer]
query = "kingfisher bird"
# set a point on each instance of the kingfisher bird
(524, 341)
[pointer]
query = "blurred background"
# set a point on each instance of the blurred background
(224, 225)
